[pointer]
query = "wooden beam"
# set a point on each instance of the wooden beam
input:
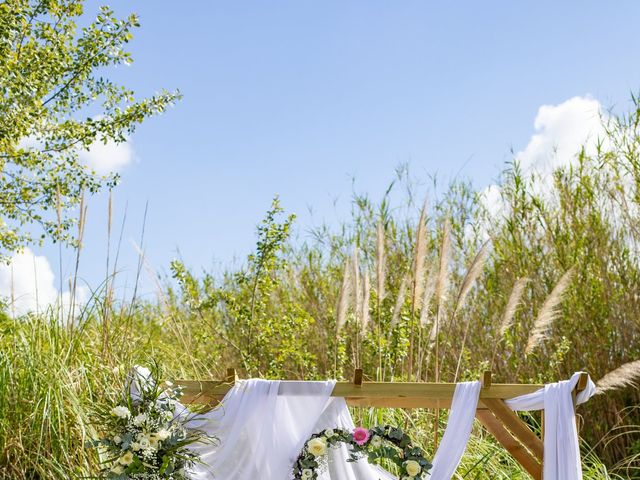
(511, 444)
(518, 428)
(392, 395)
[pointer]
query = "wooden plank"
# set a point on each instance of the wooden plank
(373, 392)
(518, 428)
(511, 444)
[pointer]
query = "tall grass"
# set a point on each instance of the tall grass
(405, 291)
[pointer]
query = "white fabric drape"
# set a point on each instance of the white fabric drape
(456, 435)
(262, 426)
(561, 447)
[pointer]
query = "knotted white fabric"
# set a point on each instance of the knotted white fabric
(561, 447)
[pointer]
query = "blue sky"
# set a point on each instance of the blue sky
(297, 97)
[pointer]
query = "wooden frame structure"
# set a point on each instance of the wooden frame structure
(499, 420)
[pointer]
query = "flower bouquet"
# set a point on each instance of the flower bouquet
(146, 433)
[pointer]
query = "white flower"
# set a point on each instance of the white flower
(135, 446)
(126, 459)
(376, 441)
(307, 473)
(153, 440)
(329, 433)
(163, 434)
(120, 412)
(118, 469)
(115, 370)
(139, 419)
(317, 446)
(144, 443)
(117, 440)
(413, 467)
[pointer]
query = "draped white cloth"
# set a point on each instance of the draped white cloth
(262, 426)
(561, 447)
(456, 435)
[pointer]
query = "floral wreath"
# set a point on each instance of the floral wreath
(372, 444)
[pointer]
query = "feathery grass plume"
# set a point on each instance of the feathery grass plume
(402, 293)
(366, 289)
(343, 297)
(442, 279)
(82, 219)
(627, 375)
(419, 258)
(380, 261)
(443, 272)
(548, 313)
(429, 290)
(357, 289)
(58, 232)
(472, 275)
(469, 279)
(512, 305)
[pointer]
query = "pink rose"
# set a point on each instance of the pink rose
(360, 435)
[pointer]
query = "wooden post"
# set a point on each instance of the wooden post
(357, 377)
(580, 386)
(486, 379)
(231, 376)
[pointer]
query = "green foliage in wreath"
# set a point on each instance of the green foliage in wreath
(381, 442)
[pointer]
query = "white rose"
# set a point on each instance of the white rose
(307, 473)
(135, 446)
(163, 434)
(126, 459)
(120, 412)
(139, 419)
(329, 433)
(376, 441)
(413, 467)
(117, 440)
(144, 443)
(317, 446)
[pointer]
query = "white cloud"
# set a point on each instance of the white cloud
(27, 283)
(103, 158)
(107, 157)
(560, 131)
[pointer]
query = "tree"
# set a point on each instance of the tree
(56, 102)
